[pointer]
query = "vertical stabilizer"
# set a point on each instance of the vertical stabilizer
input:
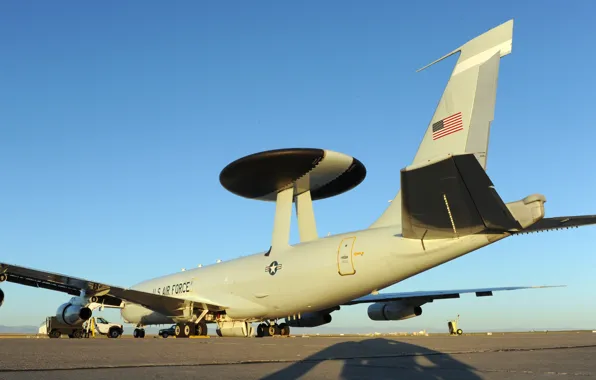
(461, 122)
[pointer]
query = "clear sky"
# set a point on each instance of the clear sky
(117, 117)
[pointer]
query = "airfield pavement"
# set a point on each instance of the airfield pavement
(500, 356)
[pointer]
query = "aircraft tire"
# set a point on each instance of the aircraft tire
(138, 333)
(273, 330)
(179, 330)
(201, 328)
(261, 330)
(284, 329)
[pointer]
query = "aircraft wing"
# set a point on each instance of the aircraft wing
(546, 224)
(107, 294)
(422, 297)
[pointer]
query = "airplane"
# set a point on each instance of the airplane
(446, 207)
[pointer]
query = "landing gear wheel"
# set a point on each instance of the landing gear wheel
(138, 333)
(262, 330)
(460, 331)
(284, 329)
(201, 328)
(182, 330)
(273, 330)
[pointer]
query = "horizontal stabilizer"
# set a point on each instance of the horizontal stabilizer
(561, 222)
(450, 198)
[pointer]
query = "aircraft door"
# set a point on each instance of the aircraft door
(345, 262)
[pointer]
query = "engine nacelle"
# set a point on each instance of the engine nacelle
(72, 314)
(309, 320)
(1, 297)
(392, 311)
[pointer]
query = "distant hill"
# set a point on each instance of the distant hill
(18, 329)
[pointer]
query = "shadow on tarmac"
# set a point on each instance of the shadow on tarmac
(378, 359)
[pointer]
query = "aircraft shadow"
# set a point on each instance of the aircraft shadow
(377, 359)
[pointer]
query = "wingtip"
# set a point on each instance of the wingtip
(548, 286)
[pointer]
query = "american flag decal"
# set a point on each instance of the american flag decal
(447, 126)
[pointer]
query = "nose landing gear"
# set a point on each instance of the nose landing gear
(138, 333)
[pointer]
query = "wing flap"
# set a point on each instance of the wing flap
(166, 305)
(422, 297)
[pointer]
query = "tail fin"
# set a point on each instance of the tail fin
(461, 121)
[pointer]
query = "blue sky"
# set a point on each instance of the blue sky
(117, 118)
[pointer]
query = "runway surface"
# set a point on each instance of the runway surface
(509, 356)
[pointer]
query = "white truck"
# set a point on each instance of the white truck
(54, 329)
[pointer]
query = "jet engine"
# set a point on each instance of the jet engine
(393, 311)
(1, 297)
(72, 314)
(309, 320)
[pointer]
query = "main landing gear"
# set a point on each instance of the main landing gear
(187, 329)
(272, 329)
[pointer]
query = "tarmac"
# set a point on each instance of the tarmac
(467, 357)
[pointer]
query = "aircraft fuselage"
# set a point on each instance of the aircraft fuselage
(308, 276)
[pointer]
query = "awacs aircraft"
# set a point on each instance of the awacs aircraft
(447, 207)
